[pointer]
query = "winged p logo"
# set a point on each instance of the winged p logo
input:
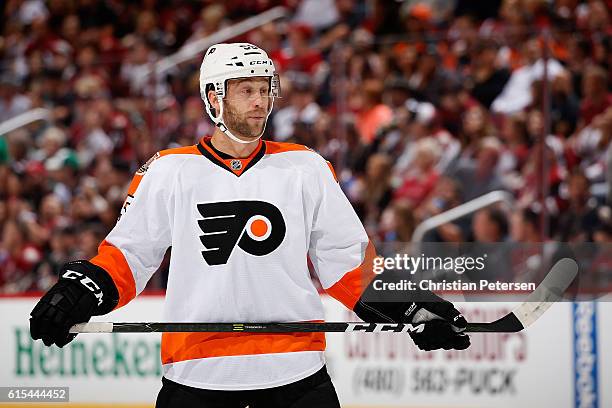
(257, 227)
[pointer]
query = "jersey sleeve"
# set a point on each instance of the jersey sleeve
(135, 247)
(339, 250)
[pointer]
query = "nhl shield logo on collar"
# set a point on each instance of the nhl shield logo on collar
(236, 165)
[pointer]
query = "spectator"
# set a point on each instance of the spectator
(517, 92)
(397, 225)
(479, 175)
(352, 151)
(94, 140)
(476, 126)
(371, 193)
(430, 77)
(12, 103)
(528, 252)
(525, 226)
(17, 259)
(396, 92)
(564, 105)
(516, 147)
(371, 114)
(62, 244)
(51, 143)
(212, 19)
(136, 64)
(488, 80)
(302, 108)
(445, 196)
(596, 97)
(532, 181)
(350, 14)
(299, 56)
(603, 234)
(591, 146)
(422, 177)
(489, 225)
(579, 221)
(309, 12)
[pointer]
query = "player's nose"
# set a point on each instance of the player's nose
(258, 99)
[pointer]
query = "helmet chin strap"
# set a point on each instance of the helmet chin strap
(229, 134)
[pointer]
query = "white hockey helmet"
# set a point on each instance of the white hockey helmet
(231, 61)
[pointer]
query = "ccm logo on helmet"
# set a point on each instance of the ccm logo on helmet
(261, 63)
(257, 227)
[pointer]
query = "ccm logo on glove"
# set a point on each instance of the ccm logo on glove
(87, 282)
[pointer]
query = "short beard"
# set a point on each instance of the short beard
(238, 124)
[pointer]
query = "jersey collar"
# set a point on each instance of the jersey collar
(236, 166)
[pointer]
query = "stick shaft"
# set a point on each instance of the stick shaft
(329, 327)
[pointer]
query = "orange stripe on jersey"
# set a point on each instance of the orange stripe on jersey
(349, 288)
(192, 149)
(279, 147)
(134, 184)
(332, 170)
(111, 259)
(188, 346)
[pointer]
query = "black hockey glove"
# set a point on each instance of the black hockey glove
(82, 291)
(444, 325)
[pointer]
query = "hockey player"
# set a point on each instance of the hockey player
(241, 215)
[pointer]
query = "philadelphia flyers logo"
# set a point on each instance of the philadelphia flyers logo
(256, 227)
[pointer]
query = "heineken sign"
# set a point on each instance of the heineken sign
(113, 355)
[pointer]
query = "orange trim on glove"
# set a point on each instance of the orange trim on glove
(111, 259)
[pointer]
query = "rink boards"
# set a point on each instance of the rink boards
(560, 362)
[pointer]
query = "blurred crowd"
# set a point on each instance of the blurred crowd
(420, 105)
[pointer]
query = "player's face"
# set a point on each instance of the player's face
(246, 106)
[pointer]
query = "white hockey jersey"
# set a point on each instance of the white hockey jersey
(241, 231)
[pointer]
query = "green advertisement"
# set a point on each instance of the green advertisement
(115, 355)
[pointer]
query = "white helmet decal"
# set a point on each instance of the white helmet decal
(231, 61)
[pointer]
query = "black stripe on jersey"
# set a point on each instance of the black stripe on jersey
(257, 157)
(206, 153)
(212, 158)
(222, 155)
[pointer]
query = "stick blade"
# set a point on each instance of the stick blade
(550, 291)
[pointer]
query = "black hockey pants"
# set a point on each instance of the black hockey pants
(316, 390)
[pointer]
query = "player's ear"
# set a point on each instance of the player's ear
(214, 101)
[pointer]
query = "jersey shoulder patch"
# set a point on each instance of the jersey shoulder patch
(167, 152)
(143, 169)
(163, 153)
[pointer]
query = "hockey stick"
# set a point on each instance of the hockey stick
(548, 292)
